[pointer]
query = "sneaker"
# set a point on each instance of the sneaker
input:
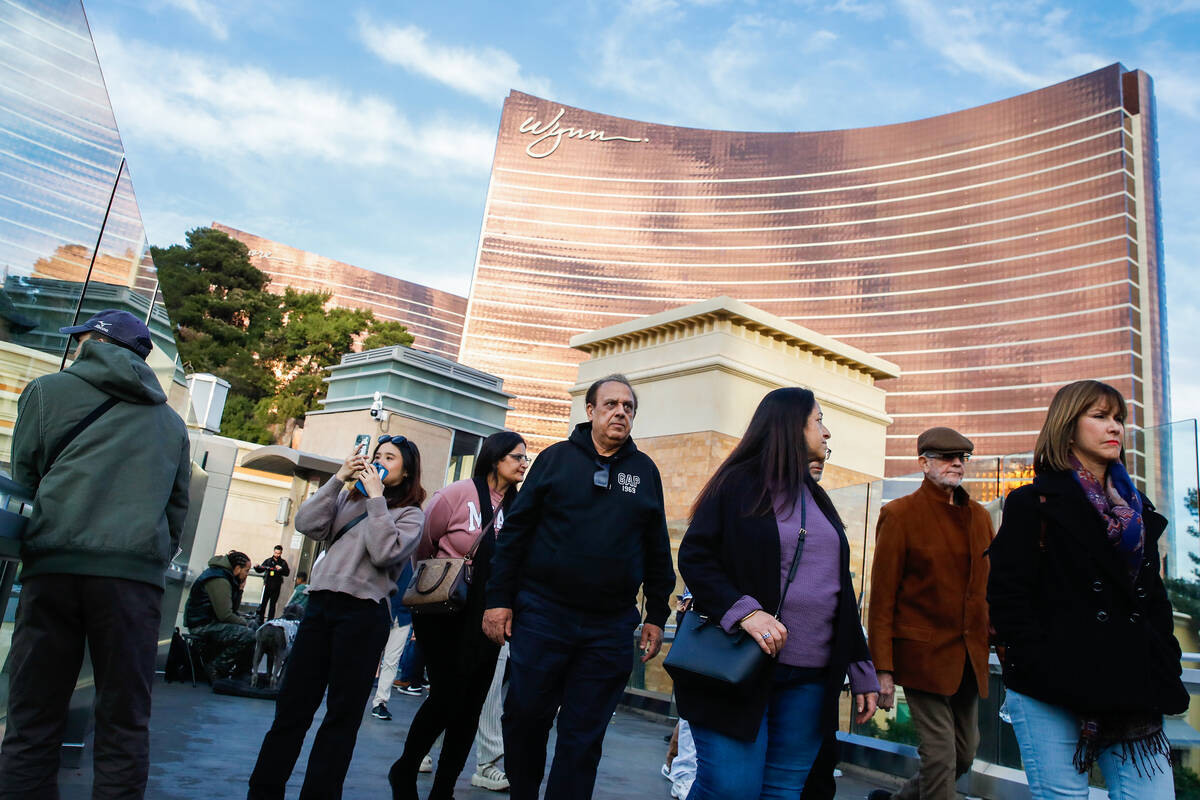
(414, 691)
(681, 789)
(490, 777)
(426, 765)
(380, 712)
(879, 794)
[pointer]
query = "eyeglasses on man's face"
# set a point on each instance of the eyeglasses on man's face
(951, 457)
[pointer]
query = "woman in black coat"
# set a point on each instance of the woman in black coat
(734, 558)
(1080, 611)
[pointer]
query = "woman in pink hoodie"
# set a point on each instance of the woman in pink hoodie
(460, 659)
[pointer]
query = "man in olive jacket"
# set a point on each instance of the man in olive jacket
(211, 613)
(110, 500)
(927, 622)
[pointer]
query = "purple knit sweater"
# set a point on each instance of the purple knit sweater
(811, 602)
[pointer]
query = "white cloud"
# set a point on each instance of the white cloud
(206, 14)
(959, 36)
(1151, 11)
(223, 112)
(744, 78)
(486, 73)
(866, 11)
(1176, 84)
(820, 40)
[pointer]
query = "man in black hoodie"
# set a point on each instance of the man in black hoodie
(585, 533)
(110, 464)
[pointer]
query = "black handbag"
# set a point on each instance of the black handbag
(703, 651)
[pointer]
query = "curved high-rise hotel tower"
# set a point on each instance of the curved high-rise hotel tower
(993, 253)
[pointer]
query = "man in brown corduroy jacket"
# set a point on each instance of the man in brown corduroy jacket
(927, 623)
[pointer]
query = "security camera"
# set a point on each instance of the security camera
(377, 406)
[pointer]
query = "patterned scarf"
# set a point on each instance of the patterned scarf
(1120, 508)
(1139, 736)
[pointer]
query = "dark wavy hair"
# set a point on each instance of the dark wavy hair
(493, 450)
(773, 452)
(237, 558)
(409, 492)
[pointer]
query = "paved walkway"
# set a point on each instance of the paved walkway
(204, 745)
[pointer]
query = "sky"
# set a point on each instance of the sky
(364, 131)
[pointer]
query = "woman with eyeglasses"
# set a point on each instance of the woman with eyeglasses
(762, 517)
(1081, 616)
(369, 531)
(463, 517)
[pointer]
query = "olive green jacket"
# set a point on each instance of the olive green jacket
(114, 500)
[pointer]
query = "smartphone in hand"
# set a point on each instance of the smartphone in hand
(362, 443)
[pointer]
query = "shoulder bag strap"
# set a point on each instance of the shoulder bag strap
(96, 413)
(479, 539)
(799, 549)
(342, 530)
(485, 500)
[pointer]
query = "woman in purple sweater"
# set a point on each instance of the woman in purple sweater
(746, 525)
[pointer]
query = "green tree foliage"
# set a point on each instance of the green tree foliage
(272, 348)
(1190, 502)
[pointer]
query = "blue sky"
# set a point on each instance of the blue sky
(364, 131)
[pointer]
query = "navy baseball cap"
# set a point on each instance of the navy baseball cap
(120, 326)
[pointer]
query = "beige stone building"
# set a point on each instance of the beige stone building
(700, 371)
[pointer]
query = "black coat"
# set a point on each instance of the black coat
(1077, 630)
(729, 552)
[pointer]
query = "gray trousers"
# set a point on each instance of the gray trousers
(489, 737)
(948, 729)
(119, 621)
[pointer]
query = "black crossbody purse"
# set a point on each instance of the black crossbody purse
(703, 651)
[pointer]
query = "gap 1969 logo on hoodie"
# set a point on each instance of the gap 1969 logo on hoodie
(629, 482)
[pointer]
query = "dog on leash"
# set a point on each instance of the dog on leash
(274, 640)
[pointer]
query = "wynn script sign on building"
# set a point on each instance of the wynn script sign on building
(549, 136)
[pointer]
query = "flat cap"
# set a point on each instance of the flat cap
(944, 440)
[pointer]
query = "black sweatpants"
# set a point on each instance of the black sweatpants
(461, 662)
(119, 619)
(337, 648)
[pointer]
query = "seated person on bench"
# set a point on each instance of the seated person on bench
(211, 614)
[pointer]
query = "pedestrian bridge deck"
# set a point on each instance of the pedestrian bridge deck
(204, 745)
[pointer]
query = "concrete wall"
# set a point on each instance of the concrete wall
(332, 434)
(249, 522)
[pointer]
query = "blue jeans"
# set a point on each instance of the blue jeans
(777, 762)
(1048, 734)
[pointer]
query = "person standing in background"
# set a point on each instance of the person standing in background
(397, 639)
(273, 570)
